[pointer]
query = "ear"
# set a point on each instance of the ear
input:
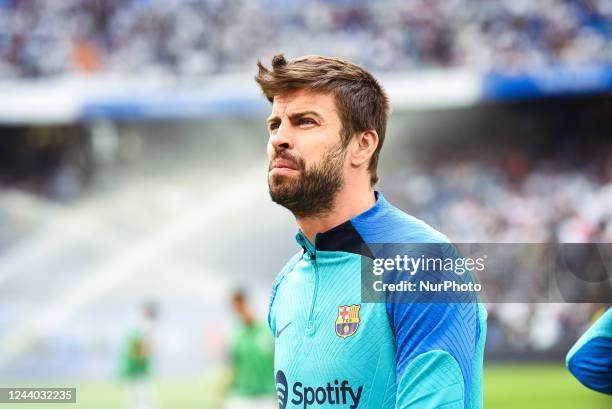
(363, 147)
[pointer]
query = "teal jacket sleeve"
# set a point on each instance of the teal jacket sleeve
(439, 354)
(590, 359)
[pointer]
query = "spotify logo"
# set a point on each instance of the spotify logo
(282, 389)
(336, 392)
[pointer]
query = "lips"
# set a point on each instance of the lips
(282, 164)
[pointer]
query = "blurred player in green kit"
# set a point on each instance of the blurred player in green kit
(252, 360)
(136, 356)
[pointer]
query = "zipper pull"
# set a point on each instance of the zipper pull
(310, 327)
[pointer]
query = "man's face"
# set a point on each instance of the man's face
(307, 157)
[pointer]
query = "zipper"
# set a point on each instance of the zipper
(313, 257)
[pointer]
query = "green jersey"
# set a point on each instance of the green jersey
(136, 355)
(252, 349)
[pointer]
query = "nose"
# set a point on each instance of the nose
(281, 139)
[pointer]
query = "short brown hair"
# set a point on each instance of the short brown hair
(361, 101)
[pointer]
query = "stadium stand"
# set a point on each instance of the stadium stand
(196, 37)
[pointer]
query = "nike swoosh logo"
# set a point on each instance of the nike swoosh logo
(280, 331)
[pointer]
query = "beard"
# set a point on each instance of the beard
(314, 191)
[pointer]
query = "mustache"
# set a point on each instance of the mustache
(284, 155)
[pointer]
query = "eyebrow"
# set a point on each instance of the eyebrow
(297, 115)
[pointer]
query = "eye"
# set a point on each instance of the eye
(273, 125)
(306, 121)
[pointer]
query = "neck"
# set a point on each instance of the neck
(347, 204)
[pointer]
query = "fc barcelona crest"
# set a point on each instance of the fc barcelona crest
(347, 321)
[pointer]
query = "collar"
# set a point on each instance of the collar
(344, 237)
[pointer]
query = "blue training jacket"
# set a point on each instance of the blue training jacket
(334, 351)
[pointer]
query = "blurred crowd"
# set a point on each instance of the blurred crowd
(198, 37)
(516, 200)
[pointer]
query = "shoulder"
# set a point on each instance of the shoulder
(392, 225)
(590, 359)
(602, 328)
(286, 270)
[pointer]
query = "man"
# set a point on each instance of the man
(252, 355)
(590, 359)
(326, 131)
(136, 357)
